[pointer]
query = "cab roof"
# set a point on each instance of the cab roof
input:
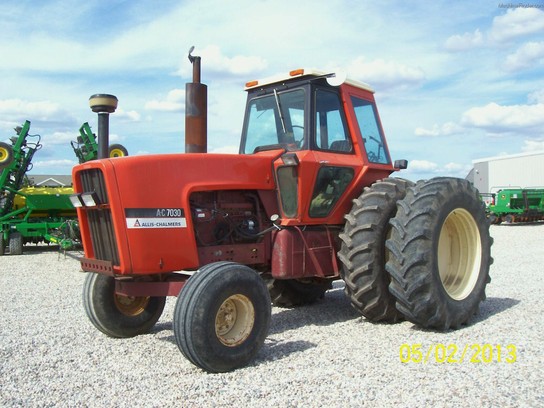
(335, 78)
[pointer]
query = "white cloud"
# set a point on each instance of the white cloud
(528, 55)
(510, 118)
(386, 74)
(465, 41)
(513, 24)
(426, 169)
(533, 145)
(42, 110)
(453, 167)
(226, 149)
(217, 62)
(447, 129)
(59, 138)
(64, 163)
(516, 23)
(129, 116)
(536, 96)
(421, 166)
(174, 102)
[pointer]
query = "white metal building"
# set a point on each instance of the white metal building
(518, 170)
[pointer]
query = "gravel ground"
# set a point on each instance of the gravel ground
(318, 355)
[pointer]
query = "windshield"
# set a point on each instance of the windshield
(275, 120)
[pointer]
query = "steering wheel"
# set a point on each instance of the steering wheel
(300, 142)
(372, 157)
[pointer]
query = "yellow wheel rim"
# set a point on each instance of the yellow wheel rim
(234, 320)
(116, 153)
(459, 254)
(4, 154)
(131, 305)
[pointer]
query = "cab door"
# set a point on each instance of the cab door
(328, 175)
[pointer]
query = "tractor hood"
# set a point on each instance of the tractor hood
(173, 177)
(150, 195)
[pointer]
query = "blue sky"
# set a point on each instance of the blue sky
(455, 81)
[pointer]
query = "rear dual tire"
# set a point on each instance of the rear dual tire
(363, 252)
(440, 253)
(420, 252)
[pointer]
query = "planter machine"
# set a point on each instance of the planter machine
(29, 214)
(513, 205)
(44, 214)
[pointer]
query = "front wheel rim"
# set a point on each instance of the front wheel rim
(131, 305)
(234, 320)
(459, 254)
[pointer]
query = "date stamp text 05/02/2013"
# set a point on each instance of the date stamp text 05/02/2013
(455, 354)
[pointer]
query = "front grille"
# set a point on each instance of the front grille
(99, 219)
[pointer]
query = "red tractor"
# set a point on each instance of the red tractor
(307, 200)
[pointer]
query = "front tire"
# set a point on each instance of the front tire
(442, 253)
(15, 243)
(363, 253)
(222, 316)
(117, 315)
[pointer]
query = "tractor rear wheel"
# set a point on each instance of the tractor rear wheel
(1, 243)
(295, 292)
(118, 315)
(363, 252)
(15, 243)
(222, 316)
(442, 253)
(117, 150)
(6, 155)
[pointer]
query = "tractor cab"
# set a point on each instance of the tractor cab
(331, 135)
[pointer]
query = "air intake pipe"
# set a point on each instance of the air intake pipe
(103, 104)
(196, 111)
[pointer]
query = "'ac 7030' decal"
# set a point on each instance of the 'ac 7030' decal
(138, 218)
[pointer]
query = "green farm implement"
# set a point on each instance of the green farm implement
(86, 147)
(44, 214)
(29, 214)
(517, 205)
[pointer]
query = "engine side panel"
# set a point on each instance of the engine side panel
(228, 226)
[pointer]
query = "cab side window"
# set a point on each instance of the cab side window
(367, 119)
(330, 132)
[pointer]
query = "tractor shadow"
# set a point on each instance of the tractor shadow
(38, 249)
(490, 307)
(521, 224)
(333, 308)
(493, 306)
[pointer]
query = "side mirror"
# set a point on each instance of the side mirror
(401, 164)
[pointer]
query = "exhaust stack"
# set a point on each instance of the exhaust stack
(196, 111)
(103, 104)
